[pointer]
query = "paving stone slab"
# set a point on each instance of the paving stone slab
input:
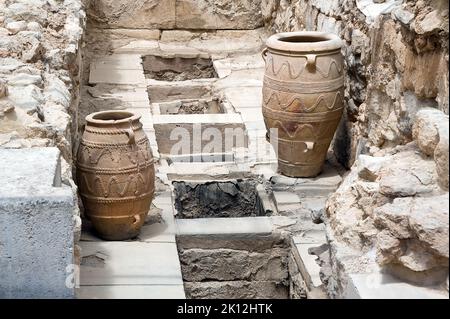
(165, 230)
(129, 263)
(286, 198)
(115, 76)
(221, 226)
(118, 62)
(308, 266)
(141, 47)
(384, 286)
(243, 98)
(132, 292)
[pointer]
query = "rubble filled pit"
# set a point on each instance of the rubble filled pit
(192, 106)
(178, 68)
(234, 198)
(235, 267)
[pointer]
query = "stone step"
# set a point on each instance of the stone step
(224, 226)
(129, 263)
(118, 62)
(384, 286)
(189, 130)
(132, 292)
(36, 225)
(115, 76)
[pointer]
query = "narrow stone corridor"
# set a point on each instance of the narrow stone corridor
(120, 81)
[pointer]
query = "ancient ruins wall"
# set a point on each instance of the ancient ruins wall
(391, 212)
(40, 71)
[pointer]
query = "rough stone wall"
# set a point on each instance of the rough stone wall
(235, 267)
(391, 212)
(40, 72)
(176, 14)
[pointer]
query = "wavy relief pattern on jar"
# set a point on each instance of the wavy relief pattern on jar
(296, 67)
(291, 102)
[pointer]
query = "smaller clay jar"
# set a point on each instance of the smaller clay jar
(115, 174)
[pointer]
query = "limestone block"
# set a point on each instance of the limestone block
(384, 286)
(138, 14)
(222, 14)
(369, 167)
(236, 289)
(109, 263)
(229, 264)
(407, 174)
(427, 129)
(441, 154)
(36, 226)
(415, 236)
(199, 133)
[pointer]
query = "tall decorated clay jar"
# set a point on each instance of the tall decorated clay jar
(115, 174)
(303, 95)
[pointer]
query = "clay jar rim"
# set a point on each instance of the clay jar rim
(112, 117)
(304, 41)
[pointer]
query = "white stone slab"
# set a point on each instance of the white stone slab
(286, 198)
(219, 226)
(198, 118)
(118, 61)
(246, 97)
(383, 286)
(132, 292)
(308, 266)
(130, 263)
(252, 115)
(28, 169)
(139, 47)
(317, 236)
(115, 76)
(138, 98)
(163, 232)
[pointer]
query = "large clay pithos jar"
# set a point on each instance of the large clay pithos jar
(303, 95)
(115, 174)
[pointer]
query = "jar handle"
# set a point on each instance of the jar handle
(130, 133)
(264, 54)
(311, 61)
(309, 146)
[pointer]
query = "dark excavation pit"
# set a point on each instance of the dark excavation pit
(237, 198)
(192, 106)
(177, 68)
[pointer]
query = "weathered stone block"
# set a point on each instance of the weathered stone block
(222, 14)
(36, 226)
(236, 289)
(199, 133)
(150, 14)
(228, 265)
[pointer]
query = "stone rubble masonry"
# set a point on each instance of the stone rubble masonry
(36, 225)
